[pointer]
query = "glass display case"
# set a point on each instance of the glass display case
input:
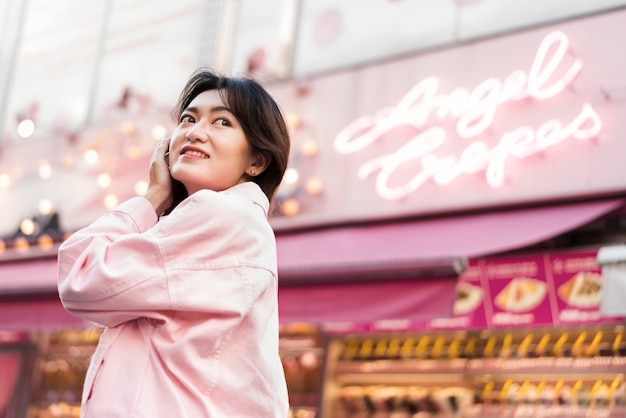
(303, 353)
(570, 372)
(52, 384)
(59, 372)
(17, 356)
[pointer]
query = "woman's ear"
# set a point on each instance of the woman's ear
(258, 165)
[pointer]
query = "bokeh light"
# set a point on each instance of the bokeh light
(26, 128)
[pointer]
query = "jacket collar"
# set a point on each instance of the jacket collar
(251, 191)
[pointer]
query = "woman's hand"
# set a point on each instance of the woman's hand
(159, 192)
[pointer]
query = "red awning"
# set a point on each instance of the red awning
(37, 314)
(368, 302)
(28, 277)
(406, 248)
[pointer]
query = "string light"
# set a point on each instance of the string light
(26, 128)
(314, 186)
(68, 161)
(110, 201)
(309, 147)
(104, 180)
(91, 156)
(99, 151)
(292, 121)
(27, 226)
(291, 176)
(296, 185)
(133, 152)
(45, 207)
(141, 187)
(5, 181)
(45, 242)
(290, 207)
(21, 244)
(45, 170)
(158, 132)
(128, 128)
(99, 145)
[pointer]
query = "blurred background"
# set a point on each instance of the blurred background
(456, 167)
(86, 89)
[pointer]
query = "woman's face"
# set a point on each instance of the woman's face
(208, 149)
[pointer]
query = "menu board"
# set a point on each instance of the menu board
(519, 293)
(535, 290)
(545, 289)
(469, 307)
(577, 282)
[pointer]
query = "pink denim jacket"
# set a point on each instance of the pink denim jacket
(189, 305)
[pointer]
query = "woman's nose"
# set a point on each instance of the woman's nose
(196, 133)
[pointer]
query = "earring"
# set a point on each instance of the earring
(253, 172)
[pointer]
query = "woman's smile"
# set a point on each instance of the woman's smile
(193, 152)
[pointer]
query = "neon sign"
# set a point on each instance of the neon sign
(474, 112)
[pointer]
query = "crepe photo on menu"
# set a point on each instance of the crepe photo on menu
(468, 298)
(521, 294)
(584, 290)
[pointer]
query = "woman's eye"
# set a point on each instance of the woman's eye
(187, 119)
(222, 122)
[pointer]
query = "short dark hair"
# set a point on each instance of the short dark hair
(259, 115)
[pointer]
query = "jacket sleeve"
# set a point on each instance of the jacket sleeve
(123, 267)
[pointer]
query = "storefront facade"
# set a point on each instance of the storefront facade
(487, 154)
(402, 263)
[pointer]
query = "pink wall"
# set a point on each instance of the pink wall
(534, 116)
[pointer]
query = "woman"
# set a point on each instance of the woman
(189, 300)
